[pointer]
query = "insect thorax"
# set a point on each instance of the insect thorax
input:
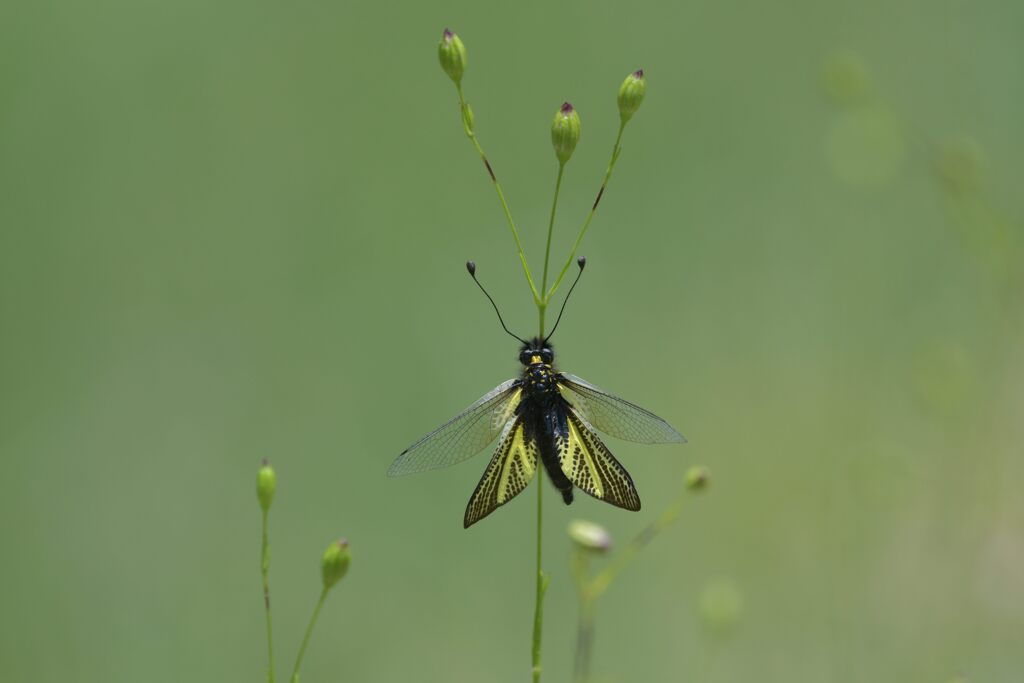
(539, 381)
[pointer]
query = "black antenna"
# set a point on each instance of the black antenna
(471, 267)
(581, 262)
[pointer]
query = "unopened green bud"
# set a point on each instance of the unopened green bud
(590, 537)
(697, 478)
(266, 483)
(452, 54)
(565, 132)
(335, 562)
(631, 94)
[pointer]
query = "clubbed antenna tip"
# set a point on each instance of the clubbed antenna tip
(581, 262)
(471, 267)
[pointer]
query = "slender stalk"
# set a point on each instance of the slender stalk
(603, 579)
(468, 127)
(542, 585)
(309, 632)
(584, 641)
(265, 571)
(543, 305)
(590, 589)
(586, 224)
(580, 571)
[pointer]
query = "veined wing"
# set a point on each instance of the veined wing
(614, 415)
(591, 467)
(508, 473)
(464, 435)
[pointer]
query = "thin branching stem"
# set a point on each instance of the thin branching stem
(543, 305)
(590, 216)
(590, 589)
(599, 584)
(309, 632)
(265, 571)
(468, 127)
(542, 586)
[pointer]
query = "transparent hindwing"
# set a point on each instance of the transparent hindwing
(464, 435)
(613, 415)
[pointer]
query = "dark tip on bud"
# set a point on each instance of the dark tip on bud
(697, 478)
(631, 94)
(581, 262)
(452, 54)
(471, 267)
(565, 132)
(264, 462)
(335, 563)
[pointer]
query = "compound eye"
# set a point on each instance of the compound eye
(547, 356)
(524, 356)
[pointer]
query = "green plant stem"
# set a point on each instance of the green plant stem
(580, 572)
(265, 571)
(543, 305)
(599, 584)
(468, 127)
(542, 585)
(309, 632)
(590, 589)
(584, 641)
(586, 224)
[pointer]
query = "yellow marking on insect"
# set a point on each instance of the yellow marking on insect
(535, 359)
(518, 458)
(576, 441)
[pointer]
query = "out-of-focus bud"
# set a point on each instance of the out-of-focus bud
(846, 78)
(266, 484)
(631, 94)
(565, 132)
(452, 54)
(721, 605)
(335, 562)
(697, 478)
(590, 537)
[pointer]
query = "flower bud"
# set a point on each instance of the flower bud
(631, 94)
(697, 478)
(335, 562)
(266, 483)
(590, 537)
(452, 54)
(565, 132)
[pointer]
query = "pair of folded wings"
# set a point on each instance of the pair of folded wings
(583, 457)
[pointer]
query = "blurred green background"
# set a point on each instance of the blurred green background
(237, 230)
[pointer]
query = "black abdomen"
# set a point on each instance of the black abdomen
(551, 427)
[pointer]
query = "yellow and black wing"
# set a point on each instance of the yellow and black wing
(510, 470)
(464, 435)
(591, 467)
(616, 416)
